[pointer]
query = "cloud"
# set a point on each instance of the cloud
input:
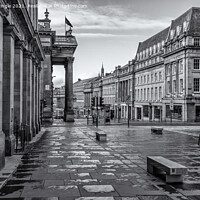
(106, 35)
(102, 19)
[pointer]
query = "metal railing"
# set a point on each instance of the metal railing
(63, 40)
(21, 136)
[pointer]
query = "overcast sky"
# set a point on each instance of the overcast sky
(108, 31)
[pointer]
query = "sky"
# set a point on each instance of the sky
(108, 31)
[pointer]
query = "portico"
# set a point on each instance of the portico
(59, 50)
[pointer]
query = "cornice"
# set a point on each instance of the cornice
(3, 9)
(11, 31)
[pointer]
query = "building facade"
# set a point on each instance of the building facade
(124, 98)
(167, 72)
(109, 90)
(79, 97)
(21, 54)
(59, 50)
(150, 78)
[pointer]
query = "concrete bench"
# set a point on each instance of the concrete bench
(174, 171)
(101, 136)
(157, 130)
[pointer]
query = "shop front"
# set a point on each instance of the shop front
(175, 114)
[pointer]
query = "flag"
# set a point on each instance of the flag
(68, 22)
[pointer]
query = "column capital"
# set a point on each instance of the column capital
(10, 31)
(69, 59)
(3, 8)
(20, 44)
(27, 53)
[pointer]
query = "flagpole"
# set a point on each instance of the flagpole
(65, 25)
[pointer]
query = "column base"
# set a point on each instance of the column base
(69, 116)
(36, 128)
(29, 133)
(33, 130)
(39, 125)
(2, 150)
(9, 145)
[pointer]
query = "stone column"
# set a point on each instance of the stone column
(68, 112)
(39, 97)
(36, 99)
(153, 113)
(29, 97)
(2, 136)
(33, 97)
(18, 82)
(25, 91)
(8, 88)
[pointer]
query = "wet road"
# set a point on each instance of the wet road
(68, 163)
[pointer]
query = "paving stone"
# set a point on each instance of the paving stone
(135, 190)
(154, 198)
(11, 191)
(97, 190)
(104, 175)
(81, 182)
(53, 183)
(95, 198)
(50, 176)
(51, 191)
(80, 176)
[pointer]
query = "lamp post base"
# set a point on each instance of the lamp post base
(69, 116)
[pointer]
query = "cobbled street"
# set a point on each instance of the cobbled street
(68, 163)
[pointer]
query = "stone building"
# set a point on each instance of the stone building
(168, 70)
(88, 94)
(79, 96)
(21, 54)
(182, 67)
(109, 90)
(59, 50)
(124, 99)
(149, 77)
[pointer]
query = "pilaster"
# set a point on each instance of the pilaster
(68, 112)
(33, 96)
(18, 82)
(39, 96)
(29, 96)
(8, 88)
(25, 91)
(36, 99)
(2, 136)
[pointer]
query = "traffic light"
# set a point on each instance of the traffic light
(101, 101)
(45, 103)
(93, 101)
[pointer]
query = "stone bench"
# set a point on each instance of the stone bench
(101, 136)
(157, 130)
(174, 171)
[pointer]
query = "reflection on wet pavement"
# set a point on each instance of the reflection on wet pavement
(67, 163)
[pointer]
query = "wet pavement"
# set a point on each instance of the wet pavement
(68, 163)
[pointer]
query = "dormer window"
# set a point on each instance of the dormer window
(171, 34)
(147, 52)
(185, 26)
(178, 30)
(150, 50)
(196, 42)
(154, 48)
(159, 46)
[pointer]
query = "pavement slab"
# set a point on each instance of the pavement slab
(68, 163)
